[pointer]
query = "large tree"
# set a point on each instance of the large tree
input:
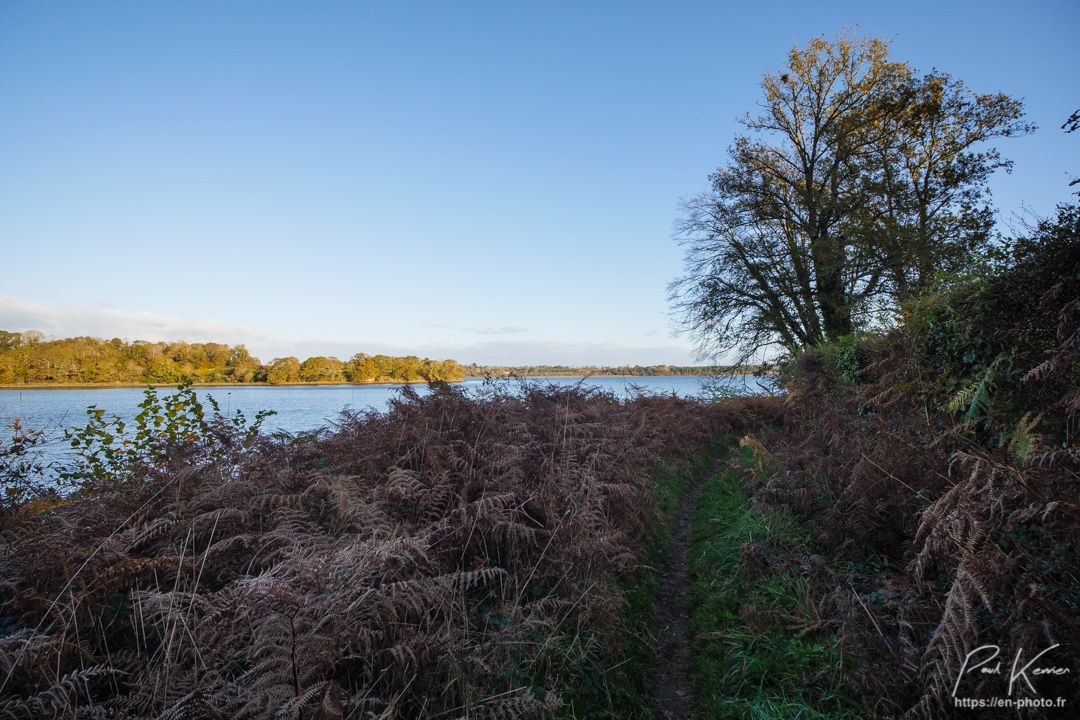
(855, 183)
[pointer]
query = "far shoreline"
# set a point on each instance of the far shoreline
(108, 386)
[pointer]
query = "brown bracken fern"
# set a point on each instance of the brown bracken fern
(451, 557)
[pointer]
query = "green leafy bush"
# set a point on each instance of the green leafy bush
(167, 429)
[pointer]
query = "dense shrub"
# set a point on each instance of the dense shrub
(938, 464)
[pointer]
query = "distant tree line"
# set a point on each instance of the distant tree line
(28, 358)
(475, 370)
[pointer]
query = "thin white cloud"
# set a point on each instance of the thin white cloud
(504, 330)
(519, 352)
(66, 321)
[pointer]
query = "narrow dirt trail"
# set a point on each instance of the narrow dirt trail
(672, 691)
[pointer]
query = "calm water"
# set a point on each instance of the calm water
(298, 408)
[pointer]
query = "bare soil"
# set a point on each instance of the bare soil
(673, 685)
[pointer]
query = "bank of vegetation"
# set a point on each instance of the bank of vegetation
(919, 502)
(917, 512)
(29, 359)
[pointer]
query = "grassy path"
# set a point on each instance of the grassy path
(672, 688)
(732, 635)
(756, 647)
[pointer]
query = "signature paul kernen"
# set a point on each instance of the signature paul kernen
(1017, 672)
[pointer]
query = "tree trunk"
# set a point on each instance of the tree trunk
(828, 257)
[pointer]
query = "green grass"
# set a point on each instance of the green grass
(622, 690)
(752, 659)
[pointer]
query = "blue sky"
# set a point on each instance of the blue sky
(492, 182)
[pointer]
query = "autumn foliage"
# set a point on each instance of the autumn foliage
(29, 358)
